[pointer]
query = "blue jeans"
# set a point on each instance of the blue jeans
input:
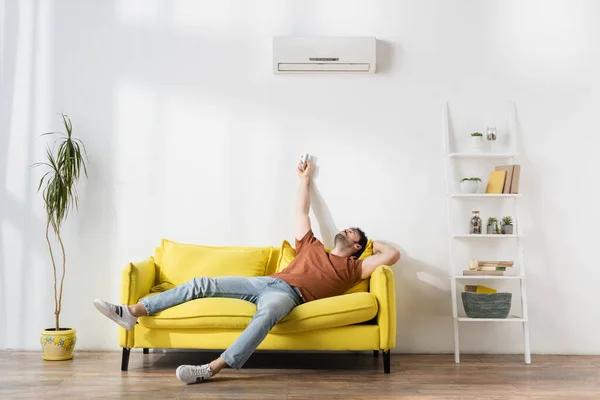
(273, 297)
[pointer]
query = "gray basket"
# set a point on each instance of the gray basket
(486, 305)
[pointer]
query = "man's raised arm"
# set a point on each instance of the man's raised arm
(303, 201)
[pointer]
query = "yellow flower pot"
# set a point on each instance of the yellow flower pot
(58, 345)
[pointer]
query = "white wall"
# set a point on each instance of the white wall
(191, 137)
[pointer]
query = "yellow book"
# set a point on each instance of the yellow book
(485, 289)
(496, 182)
(479, 289)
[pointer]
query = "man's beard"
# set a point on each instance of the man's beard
(342, 241)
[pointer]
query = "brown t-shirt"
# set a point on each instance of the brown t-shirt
(318, 274)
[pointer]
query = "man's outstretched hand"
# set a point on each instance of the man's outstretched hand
(306, 173)
(303, 202)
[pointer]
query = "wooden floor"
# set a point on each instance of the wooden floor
(302, 376)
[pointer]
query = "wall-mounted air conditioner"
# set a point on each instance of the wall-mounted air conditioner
(324, 54)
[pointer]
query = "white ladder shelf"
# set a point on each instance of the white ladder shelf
(453, 236)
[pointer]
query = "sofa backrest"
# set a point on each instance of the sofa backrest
(178, 263)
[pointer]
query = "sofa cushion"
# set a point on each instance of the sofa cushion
(213, 312)
(330, 312)
(222, 313)
(178, 263)
(288, 253)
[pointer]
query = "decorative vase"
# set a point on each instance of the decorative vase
(477, 143)
(491, 136)
(491, 133)
(58, 345)
(469, 186)
(475, 224)
(507, 229)
(491, 229)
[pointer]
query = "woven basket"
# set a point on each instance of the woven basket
(486, 305)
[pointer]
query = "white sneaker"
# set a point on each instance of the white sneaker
(120, 314)
(193, 373)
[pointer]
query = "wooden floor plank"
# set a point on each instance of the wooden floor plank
(279, 375)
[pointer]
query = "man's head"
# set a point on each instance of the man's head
(352, 240)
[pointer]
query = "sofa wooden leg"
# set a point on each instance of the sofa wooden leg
(375, 353)
(146, 350)
(125, 359)
(386, 361)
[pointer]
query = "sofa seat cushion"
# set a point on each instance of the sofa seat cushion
(330, 312)
(209, 313)
(221, 313)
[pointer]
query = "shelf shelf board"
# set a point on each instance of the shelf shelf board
(495, 236)
(510, 318)
(469, 277)
(490, 195)
(483, 155)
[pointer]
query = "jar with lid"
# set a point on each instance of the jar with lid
(491, 133)
(475, 224)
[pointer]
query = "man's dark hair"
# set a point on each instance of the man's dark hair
(363, 242)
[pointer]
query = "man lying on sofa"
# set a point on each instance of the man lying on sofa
(314, 274)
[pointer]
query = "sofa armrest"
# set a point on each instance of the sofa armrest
(383, 287)
(137, 280)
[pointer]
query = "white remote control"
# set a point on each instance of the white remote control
(303, 160)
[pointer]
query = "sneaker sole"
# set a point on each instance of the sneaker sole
(179, 377)
(107, 313)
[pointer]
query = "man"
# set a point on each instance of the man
(314, 274)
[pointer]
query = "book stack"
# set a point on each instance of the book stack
(504, 179)
(493, 268)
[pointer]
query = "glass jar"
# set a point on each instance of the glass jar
(475, 224)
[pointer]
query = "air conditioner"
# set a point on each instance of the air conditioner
(324, 54)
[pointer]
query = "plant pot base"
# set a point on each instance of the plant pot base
(58, 345)
(469, 186)
(477, 143)
(59, 358)
(507, 230)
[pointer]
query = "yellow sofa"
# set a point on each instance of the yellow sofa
(362, 319)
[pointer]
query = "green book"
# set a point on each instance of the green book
(492, 268)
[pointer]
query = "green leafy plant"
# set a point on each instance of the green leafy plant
(476, 134)
(497, 230)
(60, 194)
(471, 179)
(507, 221)
(491, 220)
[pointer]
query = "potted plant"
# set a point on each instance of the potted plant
(507, 226)
(469, 185)
(65, 163)
(477, 140)
(492, 225)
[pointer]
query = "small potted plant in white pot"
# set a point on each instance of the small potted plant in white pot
(470, 185)
(492, 226)
(507, 226)
(477, 141)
